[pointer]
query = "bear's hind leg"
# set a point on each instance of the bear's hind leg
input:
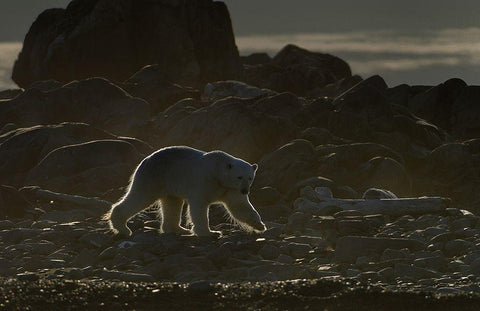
(171, 209)
(131, 204)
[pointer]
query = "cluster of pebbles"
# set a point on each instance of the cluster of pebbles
(436, 252)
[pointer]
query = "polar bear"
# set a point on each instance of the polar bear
(173, 175)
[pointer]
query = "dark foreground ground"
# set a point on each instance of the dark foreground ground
(288, 295)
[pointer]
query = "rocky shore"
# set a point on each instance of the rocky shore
(369, 192)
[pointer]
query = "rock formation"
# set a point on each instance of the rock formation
(191, 41)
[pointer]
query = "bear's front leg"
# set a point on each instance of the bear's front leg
(199, 216)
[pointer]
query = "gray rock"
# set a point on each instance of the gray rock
(377, 194)
(126, 276)
(349, 248)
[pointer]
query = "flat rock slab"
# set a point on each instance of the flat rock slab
(349, 248)
(391, 207)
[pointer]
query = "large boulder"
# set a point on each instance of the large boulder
(39, 141)
(246, 128)
(151, 84)
(95, 101)
(466, 113)
(298, 70)
(192, 41)
(88, 169)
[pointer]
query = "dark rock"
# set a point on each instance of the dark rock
(9, 94)
(436, 104)
(297, 70)
(265, 196)
(457, 247)
(364, 104)
(269, 252)
(95, 101)
(222, 89)
(416, 273)
(45, 85)
(287, 165)
(353, 227)
(466, 113)
(39, 140)
(88, 169)
(13, 203)
(27, 276)
(260, 133)
(349, 248)
(191, 41)
(126, 276)
(256, 59)
(151, 84)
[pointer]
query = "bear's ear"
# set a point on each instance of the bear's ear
(255, 166)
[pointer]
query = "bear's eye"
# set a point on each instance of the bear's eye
(239, 177)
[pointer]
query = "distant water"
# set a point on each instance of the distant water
(425, 57)
(8, 54)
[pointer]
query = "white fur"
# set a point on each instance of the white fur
(179, 174)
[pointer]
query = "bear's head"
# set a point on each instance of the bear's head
(237, 174)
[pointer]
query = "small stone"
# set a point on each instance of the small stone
(447, 290)
(108, 253)
(282, 258)
(475, 266)
(323, 193)
(387, 274)
(126, 276)
(74, 274)
(309, 193)
(269, 252)
(457, 247)
(349, 248)
(27, 276)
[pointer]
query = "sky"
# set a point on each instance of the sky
(409, 41)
